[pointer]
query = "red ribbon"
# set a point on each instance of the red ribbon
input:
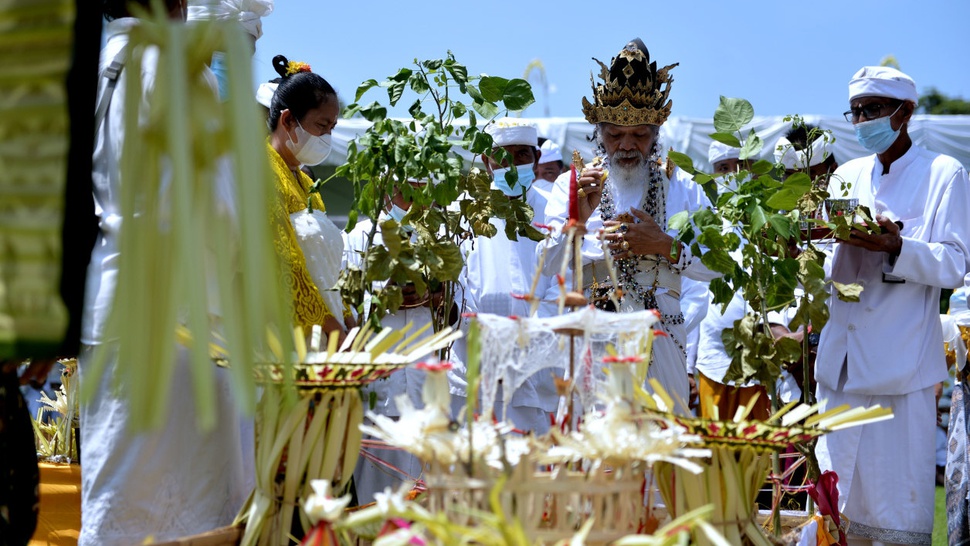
(573, 198)
(825, 493)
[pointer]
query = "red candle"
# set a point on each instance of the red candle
(573, 202)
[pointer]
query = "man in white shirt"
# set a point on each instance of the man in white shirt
(887, 348)
(498, 268)
(631, 196)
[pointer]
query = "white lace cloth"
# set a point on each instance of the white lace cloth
(323, 248)
(515, 349)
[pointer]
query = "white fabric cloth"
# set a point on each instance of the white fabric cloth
(323, 247)
(882, 81)
(164, 484)
(168, 483)
(712, 359)
(512, 132)
(694, 303)
(720, 151)
(670, 359)
(892, 337)
(886, 469)
(248, 13)
(787, 155)
(265, 92)
(550, 152)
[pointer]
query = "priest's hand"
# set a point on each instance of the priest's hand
(888, 241)
(589, 192)
(642, 238)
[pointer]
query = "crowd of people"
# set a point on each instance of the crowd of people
(884, 349)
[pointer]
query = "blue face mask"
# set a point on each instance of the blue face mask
(397, 213)
(526, 177)
(877, 135)
(218, 67)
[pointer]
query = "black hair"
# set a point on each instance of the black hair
(803, 136)
(300, 92)
(114, 9)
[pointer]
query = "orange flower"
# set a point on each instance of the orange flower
(295, 67)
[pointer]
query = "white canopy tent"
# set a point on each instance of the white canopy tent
(945, 134)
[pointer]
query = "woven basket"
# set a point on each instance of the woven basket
(550, 504)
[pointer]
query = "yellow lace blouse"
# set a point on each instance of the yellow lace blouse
(291, 196)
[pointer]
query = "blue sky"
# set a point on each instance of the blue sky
(784, 56)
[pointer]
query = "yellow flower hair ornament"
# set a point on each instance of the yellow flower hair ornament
(295, 67)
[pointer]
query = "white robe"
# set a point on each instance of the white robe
(670, 359)
(888, 347)
(495, 269)
(167, 483)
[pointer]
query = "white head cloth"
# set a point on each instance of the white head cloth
(787, 155)
(512, 132)
(550, 152)
(720, 151)
(248, 13)
(265, 92)
(882, 81)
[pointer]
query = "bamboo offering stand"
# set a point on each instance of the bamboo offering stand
(316, 434)
(741, 460)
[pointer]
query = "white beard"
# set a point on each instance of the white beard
(630, 179)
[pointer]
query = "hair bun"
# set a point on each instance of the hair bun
(280, 64)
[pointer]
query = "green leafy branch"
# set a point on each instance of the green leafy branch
(750, 238)
(451, 200)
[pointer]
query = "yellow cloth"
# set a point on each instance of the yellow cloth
(291, 196)
(59, 521)
(828, 531)
(728, 399)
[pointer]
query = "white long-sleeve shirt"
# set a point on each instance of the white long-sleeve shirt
(891, 339)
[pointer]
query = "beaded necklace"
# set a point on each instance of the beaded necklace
(655, 204)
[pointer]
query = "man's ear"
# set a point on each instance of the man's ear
(909, 108)
(537, 153)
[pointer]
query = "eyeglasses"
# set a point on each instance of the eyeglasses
(871, 111)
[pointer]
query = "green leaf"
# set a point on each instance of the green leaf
(718, 260)
(732, 114)
(848, 292)
(374, 112)
(679, 221)
(727, 138)
(752, 146)
(394, 91)
(791, 190)
(761, 167)
(363, 88)
(418, 83)
(351, 220)
(493, 88)
(432, 65)
(757, 215)
(683, 161)
(518, 95)
(378, 263)
(459, 73)
(781, 224)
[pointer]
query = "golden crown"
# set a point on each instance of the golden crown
(633, 91)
